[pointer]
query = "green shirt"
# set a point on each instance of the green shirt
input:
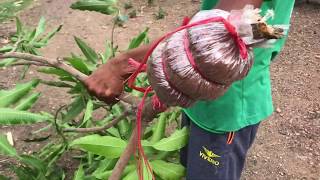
(247, 101)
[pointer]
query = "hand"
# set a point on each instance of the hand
(107, 82)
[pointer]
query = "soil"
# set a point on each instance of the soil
(287, 145)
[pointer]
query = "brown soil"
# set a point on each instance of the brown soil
(287, 145)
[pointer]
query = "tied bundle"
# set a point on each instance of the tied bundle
(200, 62)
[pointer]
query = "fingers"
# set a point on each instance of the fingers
(107, 92)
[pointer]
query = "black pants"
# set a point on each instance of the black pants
(208, 156)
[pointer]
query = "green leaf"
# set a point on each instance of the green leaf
(54, 71)
(79, 64)
(88, 112)
(10, 97)
(40, 28)
(6, 62)
(57, 84)
(5, 49)
(5, 147)
(105, 165)
(136, 42)
(19, 26)
(76, 107)
(51, 34)
(133, 175)
(87, 51)
(79, 174)
(159, 128)
(12, 116)
(102, 6)
(2, 177)
(107, 146)
(107, 53)
(168, 171)
(175, 142)
(34, 162)
(24, 173)
(28, 102)
(103, 175)
(24, 71)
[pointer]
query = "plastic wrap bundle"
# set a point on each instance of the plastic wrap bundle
(202, 61)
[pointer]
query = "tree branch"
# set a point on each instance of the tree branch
(98, 129)
(148, 113)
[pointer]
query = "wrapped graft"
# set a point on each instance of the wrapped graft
(201, 61)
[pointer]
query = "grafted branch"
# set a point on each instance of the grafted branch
(149, 112)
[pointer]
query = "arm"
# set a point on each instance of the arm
(107, 81)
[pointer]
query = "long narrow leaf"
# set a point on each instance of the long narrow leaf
(107, 146)
(87, 113)
(87, 51)
(40, 28)
(137, 41)
(5, 147)
(10, 97)
(79, 64)
(12, 116)
(175, 142)
(75, 109)
(51, 34)
(79, 174)
(102, 6)
(33, 162)
(168, 171)
(28, 102)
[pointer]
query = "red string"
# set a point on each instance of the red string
(140, 148)
(156, 102)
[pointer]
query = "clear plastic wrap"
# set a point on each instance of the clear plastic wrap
(201, 62)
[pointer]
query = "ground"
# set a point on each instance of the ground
(287, 144)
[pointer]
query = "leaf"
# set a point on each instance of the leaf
(12, 116)
(105, 165)
(24, 173)
(40, 28)
(175, 142)
(28, 102)
(76, 107)
(79, 64)
(87, 51)
(107, 146)
(168, 171)
(107, 53)
(102, 6)
(54, 71)
(2, 177)
(79, 174)
(24, 71)
(133, 175)
(51, 34)
(103, 175)
(88, 112)
(136, 42)
(5, 147)
(34, 162)
(6, 62)
(10, 97)
(159, 128)
(5, 49)
(18, 26)
(57, 84)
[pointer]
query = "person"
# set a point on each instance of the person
(222, 130)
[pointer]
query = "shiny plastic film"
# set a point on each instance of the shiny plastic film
(202, 61)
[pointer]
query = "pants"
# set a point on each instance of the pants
(208, 156)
